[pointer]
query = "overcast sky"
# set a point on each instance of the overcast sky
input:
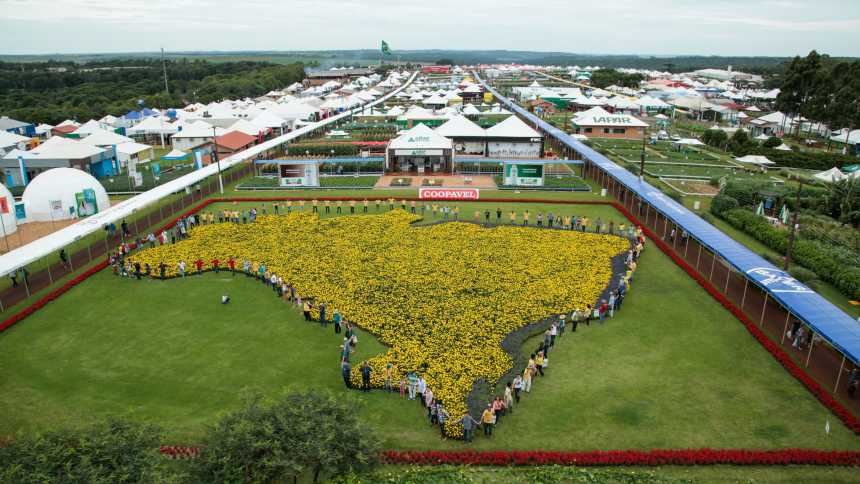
(710, 27)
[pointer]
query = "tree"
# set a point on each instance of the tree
(740, 143)
(299, 434)
(772, 142)
(715, 137)
(445, 61)
(109, 452)
(843, 200)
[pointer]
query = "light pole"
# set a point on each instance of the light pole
(217, 161)
(793, 233)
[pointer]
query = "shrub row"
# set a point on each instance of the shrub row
(322, 149)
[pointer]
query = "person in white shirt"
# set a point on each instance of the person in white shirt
(182, 268)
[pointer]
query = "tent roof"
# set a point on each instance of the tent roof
(512, 127)
(247, 127)
(420, 137)
(461, 127)
(235, 140)
(831, 175)
(100, 137)
(755, 159)
(59, 148)
(9, 139)
(89, 127)
(152, 125)
(131, 148)
(268, 120)
(175, 155)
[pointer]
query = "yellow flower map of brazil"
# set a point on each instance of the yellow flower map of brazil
(441, 297)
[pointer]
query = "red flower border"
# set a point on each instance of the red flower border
(650, 457)
(654, 457)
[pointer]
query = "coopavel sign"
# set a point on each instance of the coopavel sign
(448, 193)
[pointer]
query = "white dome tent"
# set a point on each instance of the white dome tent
(63, 193)
(10, 224)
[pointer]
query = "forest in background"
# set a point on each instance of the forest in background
(49, 92)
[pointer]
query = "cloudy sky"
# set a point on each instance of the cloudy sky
(711, 27)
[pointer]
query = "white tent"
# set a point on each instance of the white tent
(152, 125)
(12, 140)
(762, 137)
(783, 147)
(830, 176)
(88, 128)
(51, 195)
(471, 110)
(126, 151)
(688, 141)
(512, 127)
(420, 137)
(755, 159)
(461, 127)
(10, 223)
(247, 127)
(60, 148)
(102, 138)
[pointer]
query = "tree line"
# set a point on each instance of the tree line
(822, 89)
(49, 92)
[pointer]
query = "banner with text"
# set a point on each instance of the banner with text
(448, 193)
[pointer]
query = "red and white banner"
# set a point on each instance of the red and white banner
(448, 193)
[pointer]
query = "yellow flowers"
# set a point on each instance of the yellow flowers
(442, 297)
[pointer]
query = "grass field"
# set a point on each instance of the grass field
(673, 369)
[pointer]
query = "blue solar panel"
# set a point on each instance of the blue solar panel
(830, 322)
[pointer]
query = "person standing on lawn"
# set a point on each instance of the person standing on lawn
(539, 362)
(509, 397)
(422, 387)
(346, 371)
(365, 376)
(336, 318)
(553, 332)
(468, 424)
(199, 264)
(388, 374)
(322, 315)
(231, 263)
(306, 309)
(441, 417)
(527, 375)
(488, 419)
(412, 380)
(518, 387)
(498, 216)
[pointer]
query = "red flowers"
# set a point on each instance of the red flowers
(179, 451)
(655, 457)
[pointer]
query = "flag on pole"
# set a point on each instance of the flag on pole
(784, 215)
(760, 209)
(384, 48)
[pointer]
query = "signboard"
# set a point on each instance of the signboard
(56, 207)
(522, 175)
(502, 149)
(418, 152)
(4, 205)
(20, 211)
(296, 181)
(448, 193)
(85, 201)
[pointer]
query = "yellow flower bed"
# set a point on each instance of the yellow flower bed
(442, 296)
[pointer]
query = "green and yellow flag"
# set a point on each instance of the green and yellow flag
(384, 48)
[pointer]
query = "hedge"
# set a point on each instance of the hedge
(827, 261)
(323, 149)
(804, 159)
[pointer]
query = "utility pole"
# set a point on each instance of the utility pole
(793, 233)
(217, 161)
(164, 69)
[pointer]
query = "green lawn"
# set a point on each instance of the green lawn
(673, 369)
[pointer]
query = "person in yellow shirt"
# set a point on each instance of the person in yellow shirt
(339, 204)
(488, 419)
(388, 374)
(435, 207)
(365, 203)
(352, 207)
(584, 224)
(412, 206)
(314, 203)
(477, 216)
(327, 205)
(513, 217)
(306, 309)
(289, 207)
(457, 212)
(302, 205)
(525, 218)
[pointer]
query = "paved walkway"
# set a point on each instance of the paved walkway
(447, 181)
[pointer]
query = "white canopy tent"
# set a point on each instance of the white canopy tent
(830, 176)
(755, 160)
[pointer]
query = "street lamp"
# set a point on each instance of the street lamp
(217, 161)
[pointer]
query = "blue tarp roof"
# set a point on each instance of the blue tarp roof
(830, 322)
